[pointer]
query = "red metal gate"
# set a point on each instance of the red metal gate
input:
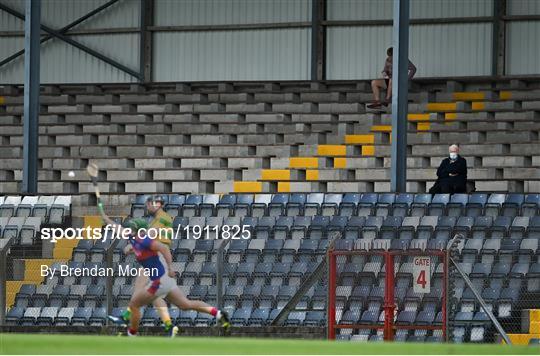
(389, 306)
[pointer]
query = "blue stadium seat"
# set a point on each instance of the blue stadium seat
(531, 205)
(475, 205)
(371, 227)
(481, 228)
(512, 204)
(313, 204)
(519, 270)
(259, 317)
(519, 227)
(500, 269)
(366, 204)
(343, 245)
(225, 205)
(406, 317)
(501, 226)
(295, 205)
(420, 204)
(266, 226)
(186, 318)
(331, 204)
(494, 204)
(251, 222)
(383, 207)
(283, 227)
(14, 315)
(98, 317)
(399, 244)
(277, 204)
(348, 204)
(241, 316)
(402, 204)
(315, 318)
(354, 227)
(174, 204)
(242, 207)
(464, 225)
(81, 316)
(533, 231)
(457, 204)
(138, 207)
(300, 227)
(295, 318)
(191, 205)
(206, 320)
(425, 317)
(350, 317)
(318, 227)
(445, 227)
(529, 246)
(338, 223)
(390, 227)
(437, 207)
(480, 270)
(308, 247)
(369, 317)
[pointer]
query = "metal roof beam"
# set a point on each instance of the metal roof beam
(61, 35)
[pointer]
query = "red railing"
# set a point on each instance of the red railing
(389, 299)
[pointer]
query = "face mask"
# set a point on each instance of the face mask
(453, 156)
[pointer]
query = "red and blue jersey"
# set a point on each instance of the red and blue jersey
(146, 256)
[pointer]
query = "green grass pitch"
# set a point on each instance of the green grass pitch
(80, 344)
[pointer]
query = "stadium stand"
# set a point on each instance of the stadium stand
(290, 236)
(284, 137)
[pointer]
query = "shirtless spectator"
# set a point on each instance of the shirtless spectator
(386, 82)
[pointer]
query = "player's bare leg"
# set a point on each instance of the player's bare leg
(163, 311)
(161, 306)
(178, 298)
(137, 301)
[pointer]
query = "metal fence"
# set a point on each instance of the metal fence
(363, 289)
(386, 295)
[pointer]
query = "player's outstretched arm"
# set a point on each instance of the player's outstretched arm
(104, 216)
(108, 221)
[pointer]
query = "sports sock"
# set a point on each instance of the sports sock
(214, 311)
(126, 315)
(167, 324)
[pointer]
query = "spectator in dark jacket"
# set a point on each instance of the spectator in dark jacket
(451, 174)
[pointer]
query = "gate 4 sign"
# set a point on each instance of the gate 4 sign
(421, 274)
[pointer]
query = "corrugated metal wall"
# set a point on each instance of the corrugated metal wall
(382, 9)
(230, 12)
(258, 54)
(523, 39)
(523, 7)
(353, 52)
(437, 50)
(281, 54)
(63, 63)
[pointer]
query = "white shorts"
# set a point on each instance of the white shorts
(159, 288)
